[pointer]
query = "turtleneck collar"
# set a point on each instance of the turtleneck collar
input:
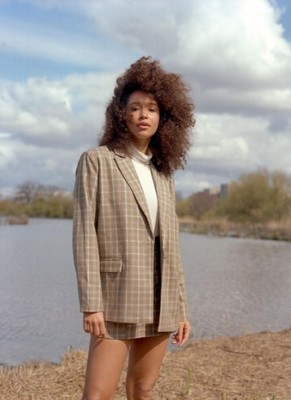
(137, 155)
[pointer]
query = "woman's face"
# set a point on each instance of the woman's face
(142, 116)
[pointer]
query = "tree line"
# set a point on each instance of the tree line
(36, 200)
(256, 197)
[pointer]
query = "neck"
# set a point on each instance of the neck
(141, 146)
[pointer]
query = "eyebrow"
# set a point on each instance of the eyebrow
(150, 103)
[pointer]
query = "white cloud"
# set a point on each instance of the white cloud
(229, 42)
(36, 110)
(6, 152)
(25, 161)
(46, 124)
(50, 112)
(232, 52)
(234, 39)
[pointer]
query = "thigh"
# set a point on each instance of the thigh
(105, 362)
(145, 358)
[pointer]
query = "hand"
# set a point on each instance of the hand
(93, 322)
(182, 334)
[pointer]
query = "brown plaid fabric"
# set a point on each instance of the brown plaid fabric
(113, 242)
(117, 330)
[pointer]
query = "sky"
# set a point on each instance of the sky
(59, 61)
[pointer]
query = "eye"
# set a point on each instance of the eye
(153, 109)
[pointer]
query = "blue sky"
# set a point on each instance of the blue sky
(285, 19)
(59, 62)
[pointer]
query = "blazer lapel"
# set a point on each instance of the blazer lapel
(127, 169)
(162, 193)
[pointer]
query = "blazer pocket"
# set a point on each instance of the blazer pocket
(110, 265)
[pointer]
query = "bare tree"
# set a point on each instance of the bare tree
(29, 191)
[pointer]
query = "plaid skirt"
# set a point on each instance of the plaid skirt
(122, 331)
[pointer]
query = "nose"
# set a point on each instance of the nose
(143, 112)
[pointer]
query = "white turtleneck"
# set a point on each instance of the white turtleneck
(141, 163)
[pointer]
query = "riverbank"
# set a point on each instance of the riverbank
(250, 367)
(275, 230)
(14, 220)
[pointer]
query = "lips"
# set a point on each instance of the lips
(143, 126)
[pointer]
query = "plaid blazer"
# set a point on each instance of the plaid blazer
(113, 242)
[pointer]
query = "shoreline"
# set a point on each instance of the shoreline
(255, 366)
(223, 228)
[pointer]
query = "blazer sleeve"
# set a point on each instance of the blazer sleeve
(182, 288)
(85, 240)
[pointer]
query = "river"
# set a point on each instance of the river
(235, 286)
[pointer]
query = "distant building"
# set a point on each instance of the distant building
(208, 197)
(203, 201)
(223, 193)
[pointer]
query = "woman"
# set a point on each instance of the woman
(125, 239)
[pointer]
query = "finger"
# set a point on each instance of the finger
(99, 329)
(102, 330)
(180, 334)
(186, 333)
(86, 326)
(174, 339)
(177, 337)
(95, 330)
(183, 341)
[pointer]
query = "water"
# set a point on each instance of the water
(39, 316)
(235, 286)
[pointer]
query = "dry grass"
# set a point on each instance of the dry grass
(251, 367)
(274, 230)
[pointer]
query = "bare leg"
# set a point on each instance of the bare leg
(145, 359)
(105, 362)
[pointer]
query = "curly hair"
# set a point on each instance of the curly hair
(169, 145)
